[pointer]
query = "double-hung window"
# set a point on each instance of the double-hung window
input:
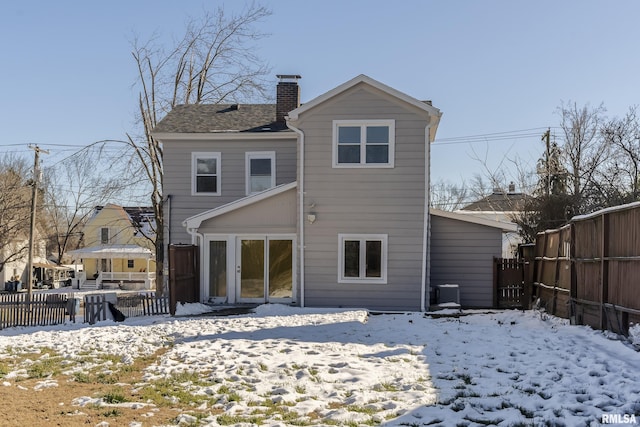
(105, 237)
(205, 174)
(261, 171)
(363, 143)
(362, 258)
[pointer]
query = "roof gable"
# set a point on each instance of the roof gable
(107, 213)
(196, 220)
(140, 218)
(433, 112)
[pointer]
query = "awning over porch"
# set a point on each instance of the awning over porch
(39, 262)
(113, 251)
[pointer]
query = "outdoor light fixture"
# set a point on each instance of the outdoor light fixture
(311, 216)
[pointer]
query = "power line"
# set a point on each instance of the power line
(494, 136)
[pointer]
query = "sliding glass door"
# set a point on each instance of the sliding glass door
(264, 269)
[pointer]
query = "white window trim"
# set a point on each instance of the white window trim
(363, 123)
(194, 170)
(108, 235)
(271, 155)
(383, 262)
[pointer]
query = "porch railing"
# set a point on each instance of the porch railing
(148, 278)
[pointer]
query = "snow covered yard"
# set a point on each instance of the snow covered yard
(285, 366)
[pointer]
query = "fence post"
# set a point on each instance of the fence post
(526, 284)
(604, 270)
(496, 280)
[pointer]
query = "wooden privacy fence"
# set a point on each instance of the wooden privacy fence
(589, 270)
(96, 306)
(552, 271)
(41, 310)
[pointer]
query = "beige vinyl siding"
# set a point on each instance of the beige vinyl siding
(274, 215)
(462, 253)
(364, 201)
(177, 174)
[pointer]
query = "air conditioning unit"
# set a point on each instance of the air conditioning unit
(448, 294)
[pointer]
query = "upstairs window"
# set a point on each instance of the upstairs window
(205, 170)
(104, 236)
(363, 143)
(261, 171)
(362, 258)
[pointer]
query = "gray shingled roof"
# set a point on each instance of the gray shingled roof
(207, 118)
(499, 202)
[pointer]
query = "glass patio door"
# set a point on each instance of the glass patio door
(265, 269)
(217, 269)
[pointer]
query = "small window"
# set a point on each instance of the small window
(129, 263)
(363, 143)
(205, 169)
(260, 171)
(104, 235)
(362, 258)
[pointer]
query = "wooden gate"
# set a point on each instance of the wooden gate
(509, 283)
(184, 274)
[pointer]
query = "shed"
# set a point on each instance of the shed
(462, 251)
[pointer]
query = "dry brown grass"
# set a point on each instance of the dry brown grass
(22, 404)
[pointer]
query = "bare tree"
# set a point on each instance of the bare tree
(213, 62)
(446, 196)
(15, 205)
(73, 188)
(621, 180)
(582, 148)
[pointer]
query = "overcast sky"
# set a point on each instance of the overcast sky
(492, 67)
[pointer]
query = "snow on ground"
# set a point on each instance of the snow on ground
(351, 367)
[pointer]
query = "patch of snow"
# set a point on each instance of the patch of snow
(347, 366)
(192, 309)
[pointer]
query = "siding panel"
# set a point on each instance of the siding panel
(177, 175)
(276, 214)
(462, 253)
(364, 201)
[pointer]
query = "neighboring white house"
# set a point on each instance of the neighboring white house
(15, 270)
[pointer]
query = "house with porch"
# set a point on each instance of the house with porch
(323, 204)
(117, 249)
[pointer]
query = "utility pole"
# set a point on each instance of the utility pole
(32, 227)
(546, 137)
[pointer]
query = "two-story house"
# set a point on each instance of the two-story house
(321, 204)
(117, 247)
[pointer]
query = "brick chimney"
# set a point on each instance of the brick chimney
(287, 95)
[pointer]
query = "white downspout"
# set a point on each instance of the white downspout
(425, 288)
(300, 208)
